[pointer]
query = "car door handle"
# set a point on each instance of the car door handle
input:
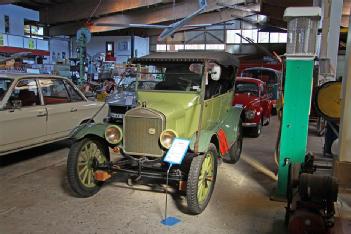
(74, 109)
(42, 114)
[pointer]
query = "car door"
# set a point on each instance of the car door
(83, 109)
(23, 120)
(67, 108)
(61, 112)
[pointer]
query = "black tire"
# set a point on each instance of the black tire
(234, 153)
(274, 111)
(194, 205)
(73, 176)
(268, 121)
(257, 130)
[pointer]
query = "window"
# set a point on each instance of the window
(161, 47)
(31, 29)
(215, 47)
(173, 77)
(232, 36)
(263, 37)
(4, 87)
(278, 37)
(54, 91)
(274, 37)
(74, 95)
(25, 92)
(175, 47)
(110, 48)
(195, 47)
(251, 34)
(7, 23)
(283, 37)
(245, 87)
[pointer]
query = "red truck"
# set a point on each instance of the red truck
(251, 94)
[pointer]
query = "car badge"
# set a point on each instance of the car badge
(152, 131)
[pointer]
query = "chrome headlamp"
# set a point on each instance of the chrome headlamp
(250, 114)
(167, 137)
(113, 134)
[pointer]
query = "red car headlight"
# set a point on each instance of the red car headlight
(250, 114)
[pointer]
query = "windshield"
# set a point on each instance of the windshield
(4, 87)
(269, 77)
(143, 84)
(241, 87)
(173, 77)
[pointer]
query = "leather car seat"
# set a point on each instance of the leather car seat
(27, 97)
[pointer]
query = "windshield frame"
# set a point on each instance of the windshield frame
(3, 99)
(139, 73)
(256, 94)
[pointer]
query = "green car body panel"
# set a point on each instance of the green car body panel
(93, 129)
(182, 112)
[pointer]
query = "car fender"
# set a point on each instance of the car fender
(89, 129)
(229, 125)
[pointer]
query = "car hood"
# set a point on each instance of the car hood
(171, 105)
(180, 109)
(245, 99)
(124, 98)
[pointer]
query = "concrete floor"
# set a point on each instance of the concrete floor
(35, 198)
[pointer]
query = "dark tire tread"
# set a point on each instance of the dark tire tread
(193, 206)
(75, 185)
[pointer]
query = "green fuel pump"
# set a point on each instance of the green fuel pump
(83, 37)
(300, 55)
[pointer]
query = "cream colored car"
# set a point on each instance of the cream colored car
(40, 109)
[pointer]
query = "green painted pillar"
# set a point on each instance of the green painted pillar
(297, 104)
(300, 54)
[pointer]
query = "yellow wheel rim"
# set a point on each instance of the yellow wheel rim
(205, 178)
(86, 156)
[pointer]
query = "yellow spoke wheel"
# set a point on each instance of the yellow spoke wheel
(201, 180)
(80, 171)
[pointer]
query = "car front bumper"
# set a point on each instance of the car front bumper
(247, 125)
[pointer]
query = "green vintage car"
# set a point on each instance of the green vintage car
(191, 101)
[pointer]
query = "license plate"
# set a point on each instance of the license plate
(117, 116)
(239, 105)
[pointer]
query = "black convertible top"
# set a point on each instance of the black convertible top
(222, 58)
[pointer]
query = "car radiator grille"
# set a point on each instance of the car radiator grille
(142, 129)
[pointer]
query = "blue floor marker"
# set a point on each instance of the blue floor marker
(170, 221)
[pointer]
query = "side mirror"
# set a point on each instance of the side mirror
(216, 72)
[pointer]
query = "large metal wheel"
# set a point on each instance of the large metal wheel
(201, 180)
(80, 172)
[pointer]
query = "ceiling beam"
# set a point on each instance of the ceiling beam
(7, 1)
(74, 10)
(155, 15)
(161, 14)
(274, 9)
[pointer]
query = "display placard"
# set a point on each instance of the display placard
(176, 153)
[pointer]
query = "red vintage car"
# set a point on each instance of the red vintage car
(251, 94)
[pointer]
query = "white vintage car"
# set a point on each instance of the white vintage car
(40, 109)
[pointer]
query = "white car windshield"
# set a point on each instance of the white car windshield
(4, 87)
